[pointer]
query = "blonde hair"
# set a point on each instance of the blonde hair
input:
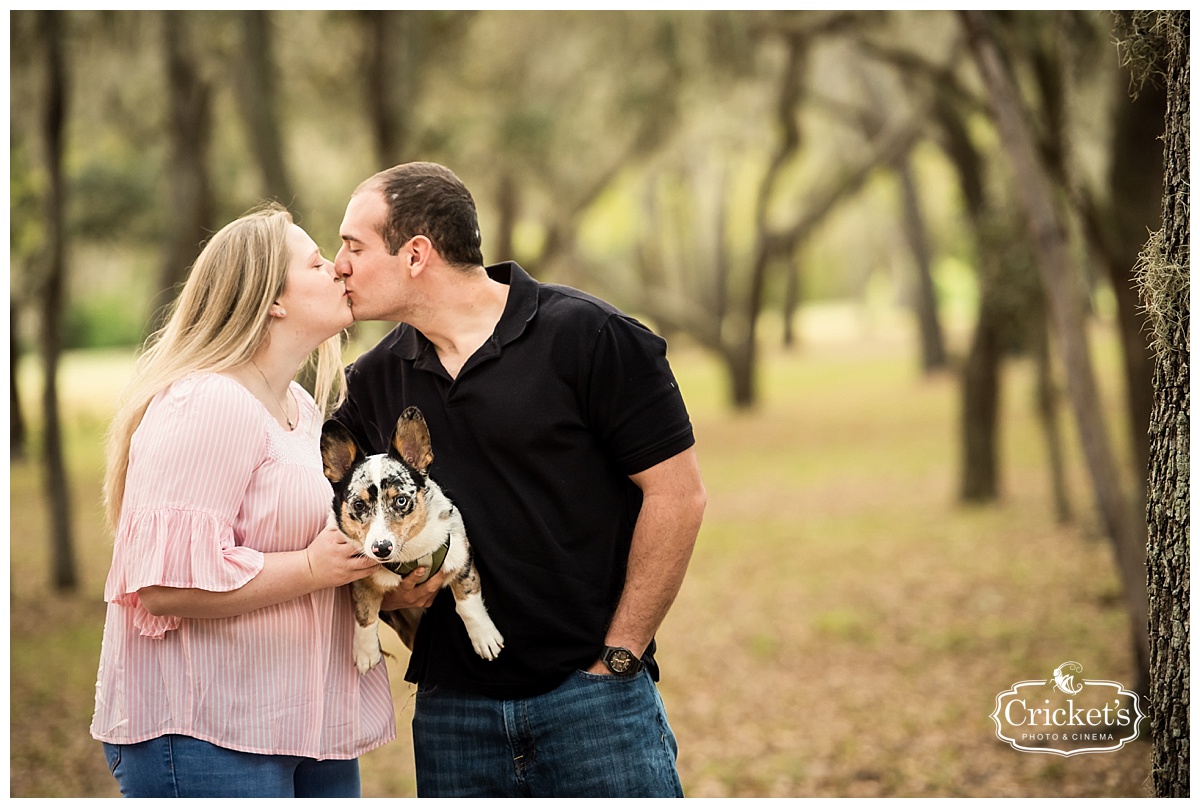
(218, 321)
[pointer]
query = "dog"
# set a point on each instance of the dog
(388, 507)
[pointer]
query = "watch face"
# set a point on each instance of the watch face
(620, 661)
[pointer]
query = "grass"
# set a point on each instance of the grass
(844, 628)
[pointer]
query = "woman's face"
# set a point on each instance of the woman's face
(314, 298)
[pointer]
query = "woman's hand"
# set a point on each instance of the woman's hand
(412, 595)
(334, 561)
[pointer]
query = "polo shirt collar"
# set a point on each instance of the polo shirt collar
(519, 309)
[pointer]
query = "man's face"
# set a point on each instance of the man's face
(374, 278)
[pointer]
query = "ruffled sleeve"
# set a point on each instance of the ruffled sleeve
(191, 462)
(178, 548)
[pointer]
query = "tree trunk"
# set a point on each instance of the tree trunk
(255, 83)
(1117, 229)
(981, 404)
(744, 352)
(16, 420)
(1168, 512)
(1165, 288)
(1135, 194)
(1063, 282)
(1047, 398)
(507, 209)
(392, 80)
(924, 301)
(718, 290)
(791, 304)
(190, 121)
(740, 366)
(979, 418)
(58, 490)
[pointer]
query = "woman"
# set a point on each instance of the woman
(226, 664)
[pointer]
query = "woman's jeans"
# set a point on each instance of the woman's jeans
(593, 736)
(179, 766)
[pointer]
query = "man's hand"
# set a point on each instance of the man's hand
(412, 595)
(599, 668)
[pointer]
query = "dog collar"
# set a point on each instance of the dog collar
(431, 561)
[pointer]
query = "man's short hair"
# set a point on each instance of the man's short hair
(427, 199)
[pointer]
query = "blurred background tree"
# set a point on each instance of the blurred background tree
(711, 172)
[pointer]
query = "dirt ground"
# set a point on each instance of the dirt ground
(844, 629)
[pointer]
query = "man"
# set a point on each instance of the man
(560, 433)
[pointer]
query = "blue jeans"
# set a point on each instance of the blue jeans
(592, 736)
(179, 766)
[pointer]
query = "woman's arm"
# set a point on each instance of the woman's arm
(329, 561)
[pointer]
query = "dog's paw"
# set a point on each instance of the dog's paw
(487, 643)
(365, 660)
(485, 637)
(367, 652)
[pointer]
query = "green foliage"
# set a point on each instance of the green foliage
(582, 110)
(115, 198)
(104, 321)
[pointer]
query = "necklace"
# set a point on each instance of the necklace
(284, 409)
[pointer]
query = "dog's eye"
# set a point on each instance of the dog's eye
(401, 501)
(359, 507)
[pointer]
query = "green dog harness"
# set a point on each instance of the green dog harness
(431, 561)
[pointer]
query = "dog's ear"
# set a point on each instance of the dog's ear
(411, 442)
(338, 450)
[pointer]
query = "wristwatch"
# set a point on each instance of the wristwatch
(621, 661)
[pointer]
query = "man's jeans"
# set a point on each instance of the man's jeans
(179, 766)
(593, 736)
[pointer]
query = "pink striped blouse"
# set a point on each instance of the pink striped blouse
(214, 482)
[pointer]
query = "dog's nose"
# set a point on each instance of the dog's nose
(381, 548)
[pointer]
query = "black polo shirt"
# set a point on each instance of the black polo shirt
(534, 441)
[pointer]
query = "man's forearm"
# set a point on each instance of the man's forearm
(663, 539)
